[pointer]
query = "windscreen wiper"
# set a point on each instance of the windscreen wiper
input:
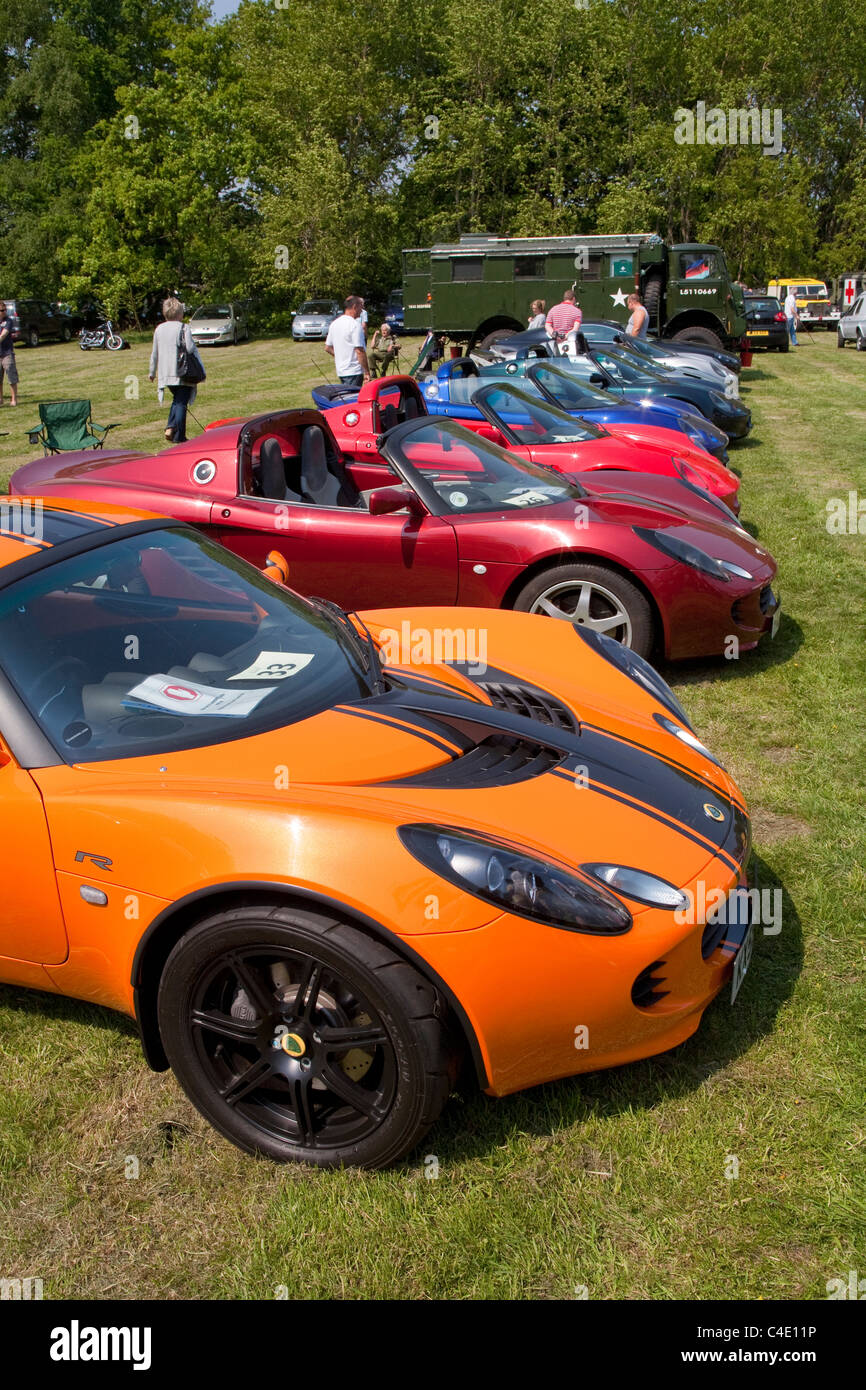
(362, 641)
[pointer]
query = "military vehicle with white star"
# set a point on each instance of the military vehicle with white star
(478, 290)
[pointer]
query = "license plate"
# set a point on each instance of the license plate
(759, 332)
(742, 961)
(777, 618)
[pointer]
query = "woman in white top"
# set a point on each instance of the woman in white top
(537, 314)
(163, 367)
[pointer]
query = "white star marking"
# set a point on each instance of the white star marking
(619, 299)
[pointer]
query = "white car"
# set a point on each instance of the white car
(313, 319)
(679, 364)
(851, 327)
(218, 323)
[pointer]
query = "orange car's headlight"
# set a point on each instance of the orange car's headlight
(517, 882)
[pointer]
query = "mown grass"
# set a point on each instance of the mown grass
(614, 1182)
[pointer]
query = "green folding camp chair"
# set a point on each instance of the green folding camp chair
(65, 426)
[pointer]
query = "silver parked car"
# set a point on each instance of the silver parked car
(314, 318)
(219, 323)
(851, 327)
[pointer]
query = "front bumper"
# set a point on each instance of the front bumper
(736, 426)
(552, 1004)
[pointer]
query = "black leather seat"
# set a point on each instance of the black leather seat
(388, 417)
(324, 481)
(272, 473)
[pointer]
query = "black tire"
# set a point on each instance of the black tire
(499, 335)
(65, 333)
(608, 588)
(341, 980)
(85, 347)
(783, 347)
(652, 298)
(705, 336)
(861, 342)
(840, 341)
(32, 337)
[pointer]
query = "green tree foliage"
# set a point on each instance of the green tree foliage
(296, 146)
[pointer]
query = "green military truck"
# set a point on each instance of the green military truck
(479, 288)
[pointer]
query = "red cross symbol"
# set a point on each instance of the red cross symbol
(849, 291)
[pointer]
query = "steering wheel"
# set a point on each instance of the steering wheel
(68, 670)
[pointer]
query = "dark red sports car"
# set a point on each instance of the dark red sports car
(444, 516)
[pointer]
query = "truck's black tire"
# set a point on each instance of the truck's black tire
(705, 336)
(652, 298)
(497, 336)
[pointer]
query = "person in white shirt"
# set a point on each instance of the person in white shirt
(639, 320)
(791, 315)
(347, 345)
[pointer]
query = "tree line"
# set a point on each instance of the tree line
(295, 147)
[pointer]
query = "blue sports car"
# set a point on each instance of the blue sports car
(450, 392)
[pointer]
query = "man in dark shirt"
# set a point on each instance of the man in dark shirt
(8, 367)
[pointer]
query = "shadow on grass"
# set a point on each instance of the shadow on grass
(61, 1009)
(473, 1125)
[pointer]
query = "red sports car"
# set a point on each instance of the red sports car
(443, 516)
(515, 416)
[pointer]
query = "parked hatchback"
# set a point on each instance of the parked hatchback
(766, 326)
(34, 319)
(314, 318)
(219, 323)
(852, 325)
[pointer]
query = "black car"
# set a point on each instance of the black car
(34, 319)
(766, 323)
(613, 372)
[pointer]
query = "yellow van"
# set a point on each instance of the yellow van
(813, 300)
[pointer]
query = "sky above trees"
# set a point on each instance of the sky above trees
(279, 152)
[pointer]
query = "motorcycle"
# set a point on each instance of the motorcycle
(102, 337)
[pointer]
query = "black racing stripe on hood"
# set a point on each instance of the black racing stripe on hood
(671, 790)
(410, 723)
(704, 778)
(599, 786)
(415, 681)
(59, 526)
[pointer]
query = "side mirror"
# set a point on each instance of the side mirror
(293, 313)
(276, 567)
(596, 380)
(386, 500)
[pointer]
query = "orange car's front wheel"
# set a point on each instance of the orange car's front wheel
(300, 1038)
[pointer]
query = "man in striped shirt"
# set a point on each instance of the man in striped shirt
(563, 317)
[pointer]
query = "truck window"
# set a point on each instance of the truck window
(697, 265)
(467, 268)
(529, 267)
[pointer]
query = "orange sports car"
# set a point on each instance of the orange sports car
(324, 858)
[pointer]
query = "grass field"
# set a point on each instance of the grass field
(614, 1183)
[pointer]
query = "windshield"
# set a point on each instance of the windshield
(528, 419)
(622, 370)
(164, 641)
(213, 311)
(456, 471)
(763, 306)
(568, 390)
(317, 306)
